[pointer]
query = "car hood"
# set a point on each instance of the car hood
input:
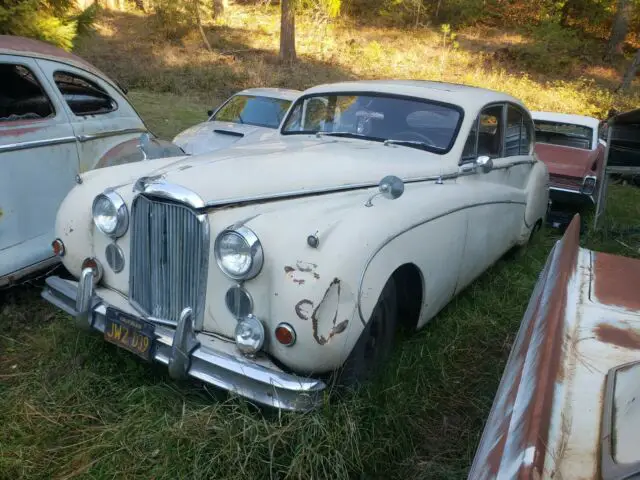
(210, 136)
(295, 165)
(566, 161)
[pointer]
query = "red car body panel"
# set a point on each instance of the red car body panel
(568, 166)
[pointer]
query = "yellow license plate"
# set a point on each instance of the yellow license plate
(129, 332)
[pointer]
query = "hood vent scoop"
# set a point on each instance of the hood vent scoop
(228, 132)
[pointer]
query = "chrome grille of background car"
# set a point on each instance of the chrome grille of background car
(169, 259)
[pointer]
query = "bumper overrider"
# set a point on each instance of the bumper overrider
(190, 354)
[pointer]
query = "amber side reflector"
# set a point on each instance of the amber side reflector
(58, 247)
(285, 334)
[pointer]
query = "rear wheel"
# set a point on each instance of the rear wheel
(375, 343)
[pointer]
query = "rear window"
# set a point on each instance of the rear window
(21, 96)
(253, 110)
(565, 134)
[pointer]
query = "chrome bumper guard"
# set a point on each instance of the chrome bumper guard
(185, 355)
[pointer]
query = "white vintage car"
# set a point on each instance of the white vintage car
(59, 116)
(263, 267)
(252, 115)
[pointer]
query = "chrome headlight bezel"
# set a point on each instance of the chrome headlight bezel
(122, 214)
(252, 243)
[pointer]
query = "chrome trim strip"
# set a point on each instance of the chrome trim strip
(11, 147)
(390, 238)
(344, 188)
(112, 133)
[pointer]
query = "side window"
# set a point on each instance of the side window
(470, 147)
(490, 132)
(22, 97)
(83, 96)
(514, 132)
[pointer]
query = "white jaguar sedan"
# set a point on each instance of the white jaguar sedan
(264, 267)
(250, 115)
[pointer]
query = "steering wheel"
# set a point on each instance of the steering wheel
(409, 133)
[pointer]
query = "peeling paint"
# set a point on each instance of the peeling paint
(304, 309)
(1, 213)
(288, 269)
(306, 266)
(299, 281)
(620, 337)
(327, 313)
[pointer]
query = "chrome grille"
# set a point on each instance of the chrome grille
(169, 259)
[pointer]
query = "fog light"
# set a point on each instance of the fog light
(285, 334)
(238, 302)
(249, 335)
(58, 247)
(115, 257)
(589, 185)
(95, 266)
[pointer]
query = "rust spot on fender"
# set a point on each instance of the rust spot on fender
(327, 313)
(621, 337)
(288, 269)
(299, 281)
(316, 276)
(1, 213)
(303, 309)
(616, 280)
(16, 132)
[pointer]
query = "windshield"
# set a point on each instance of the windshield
(253, 110)
(566, 134)
(413, 123)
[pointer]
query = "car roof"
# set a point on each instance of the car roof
(281, 93)
(453, 93)
(567, 118)
(29, 47)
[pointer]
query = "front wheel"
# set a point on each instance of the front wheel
(374, 345)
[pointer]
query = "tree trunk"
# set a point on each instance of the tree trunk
(564, 13)
(196, 6)
(630, 74)
(219, 6)
(619, 28)
(287, 31)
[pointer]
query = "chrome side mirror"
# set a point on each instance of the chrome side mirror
(484, 164)
(390, 187)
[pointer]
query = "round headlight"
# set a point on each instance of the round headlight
(239, 253)
(110, 214)
(249, 335)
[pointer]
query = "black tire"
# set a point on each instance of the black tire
(375, 343)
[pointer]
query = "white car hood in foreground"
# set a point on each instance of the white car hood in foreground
(300, 164)
(210, 136)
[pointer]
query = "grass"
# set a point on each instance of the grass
(72, 406)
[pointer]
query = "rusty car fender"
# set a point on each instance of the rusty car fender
(515, 438)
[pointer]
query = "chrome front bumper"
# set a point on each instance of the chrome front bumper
(189, 354)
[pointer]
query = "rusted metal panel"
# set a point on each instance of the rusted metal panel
(514, 442)
(588, 325)
(617, 280)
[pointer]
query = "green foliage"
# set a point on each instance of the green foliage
(175, 18)
(54, 21)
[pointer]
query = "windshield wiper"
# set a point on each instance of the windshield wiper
(412, 144)
(342, 134)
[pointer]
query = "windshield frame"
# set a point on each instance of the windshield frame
(253, 124)
(436, 150)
